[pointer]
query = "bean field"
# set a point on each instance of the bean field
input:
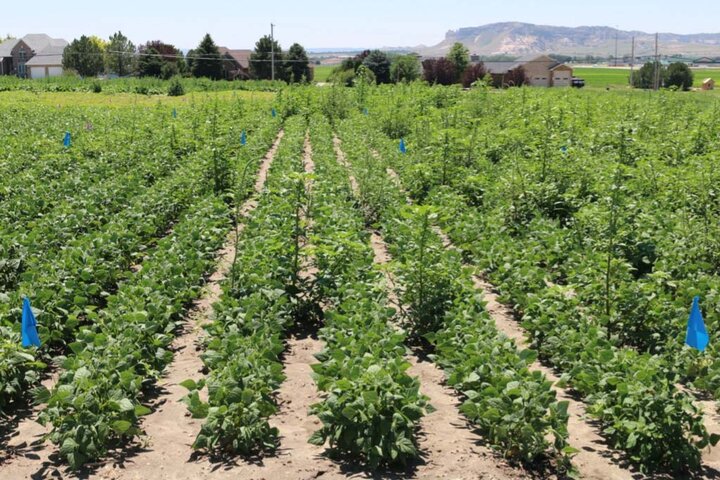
(325, 282)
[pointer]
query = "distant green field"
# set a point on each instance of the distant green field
(322, 72)
(614, 77)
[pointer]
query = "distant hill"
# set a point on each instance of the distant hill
(515, 38)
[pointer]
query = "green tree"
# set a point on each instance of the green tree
(679, 75)
(119, 55)
(459, 55)
(207, 60)
(150, 63)
(161, 60)
(405, 68)
(85, 56)
(378, 63)
(260, 59)
(298, 64)
(645, 77)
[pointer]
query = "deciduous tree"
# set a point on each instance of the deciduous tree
(405, 68)
(85, 56)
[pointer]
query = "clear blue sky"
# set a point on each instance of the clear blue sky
(322, 23)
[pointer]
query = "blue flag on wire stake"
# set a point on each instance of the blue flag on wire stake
(29, 327)
(243, 138)
(66, 141)
(274, 113)
(697, 336)
(403, 149)
(174, 113)
(365, 111)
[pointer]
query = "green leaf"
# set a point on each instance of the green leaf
(189, 384)
(121, 426)
(317, 438)
(141, 410)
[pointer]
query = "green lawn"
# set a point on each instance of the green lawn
(616, 77)
(322, 72)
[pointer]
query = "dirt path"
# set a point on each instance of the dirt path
(450, 448)
(595, 459)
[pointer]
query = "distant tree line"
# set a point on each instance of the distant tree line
(90, 56)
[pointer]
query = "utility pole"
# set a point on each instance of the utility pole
(632, 61)
(656, 77)
(616, 46)
(272, 50)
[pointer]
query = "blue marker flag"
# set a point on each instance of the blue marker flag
(243, 138)
(365, 111)
(274, 113)
(66, 140)
(174, 113)
(29, 327)
(402, 146)
(697, 336)
(564, 149)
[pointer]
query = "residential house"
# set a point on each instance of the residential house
(707, 61)
(35, 55)
(236, 63)
(540, 71)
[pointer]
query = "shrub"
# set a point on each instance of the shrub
(176, 88)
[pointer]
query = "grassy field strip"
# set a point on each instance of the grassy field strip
(450, 447)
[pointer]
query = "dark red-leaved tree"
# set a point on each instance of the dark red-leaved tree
(472, 74)
(516, 77)
(439, 71)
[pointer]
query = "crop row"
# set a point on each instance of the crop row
(259, 301)
(105, 380)
(372, 407)
(513, 407)
(70, 287)
(632, 394)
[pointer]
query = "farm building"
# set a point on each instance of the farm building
(708, 84)
(35, 55)
(236, 63)
(707, 61)
(540, 71)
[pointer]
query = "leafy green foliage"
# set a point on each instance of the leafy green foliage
(84, 56)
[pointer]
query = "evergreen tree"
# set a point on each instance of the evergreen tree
(378, 63)
(120, 55)
(679, 75)
(260, 59)
(298, 64)
(150, 63)
(206, 61)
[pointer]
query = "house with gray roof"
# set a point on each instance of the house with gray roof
(540, 71)
(35, 55)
